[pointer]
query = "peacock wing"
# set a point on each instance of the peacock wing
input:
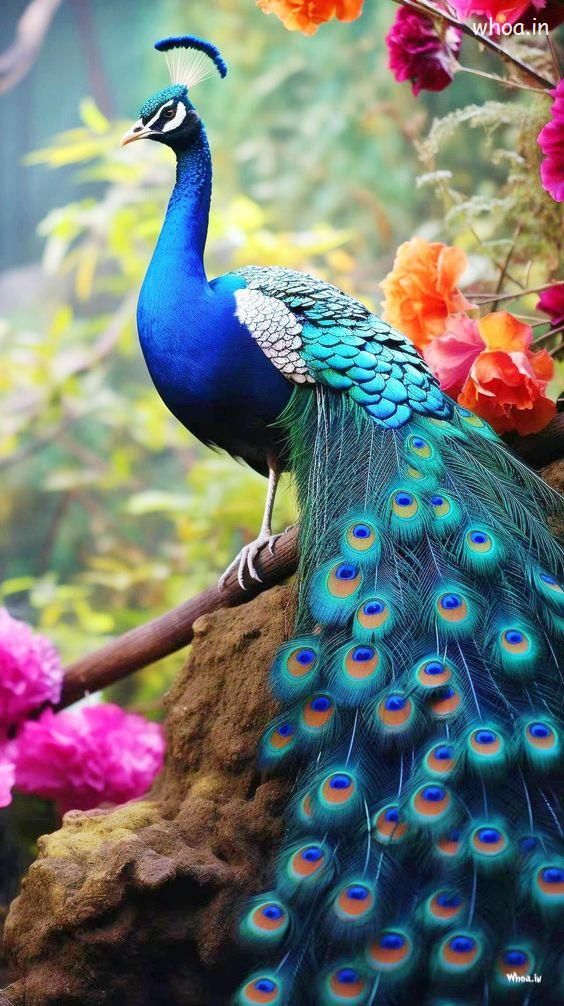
(314, 333)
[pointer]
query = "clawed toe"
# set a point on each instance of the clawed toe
(245, 562)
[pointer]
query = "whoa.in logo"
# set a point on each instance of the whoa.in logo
(499, 26)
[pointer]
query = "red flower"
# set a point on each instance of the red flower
(551, 142)
(551, 301)
(489, 367)
(420, 54)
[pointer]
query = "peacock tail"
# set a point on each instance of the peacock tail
(420, 699)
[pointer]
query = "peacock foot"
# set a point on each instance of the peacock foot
(244, 561)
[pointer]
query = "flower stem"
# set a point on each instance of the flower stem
(548, 335)
(503, 80)
(421, 7)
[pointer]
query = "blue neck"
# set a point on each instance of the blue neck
(184, 232)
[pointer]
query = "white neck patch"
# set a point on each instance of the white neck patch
(178, 118)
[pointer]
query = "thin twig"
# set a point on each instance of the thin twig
(31, 30)
(548, 335)
(554, 55)
(424, 8)
(502, 80)
(488, 298)
(505, 266)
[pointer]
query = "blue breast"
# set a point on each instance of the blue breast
(206, 366)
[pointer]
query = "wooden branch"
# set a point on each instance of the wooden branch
(174, 630)
(31, 29)
(170, 632)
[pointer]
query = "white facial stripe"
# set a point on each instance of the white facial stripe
(178, 118)
(151, 122)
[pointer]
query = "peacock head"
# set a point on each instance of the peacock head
(169, 116)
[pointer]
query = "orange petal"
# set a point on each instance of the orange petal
(542, 364)
(501, 330)
(349, 10)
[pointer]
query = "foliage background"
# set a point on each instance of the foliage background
(110, 512)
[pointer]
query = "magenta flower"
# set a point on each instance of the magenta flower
(420, 54)
(551, 142)
(7, 773)
(88, 756)
(551, 301)
(30, 669)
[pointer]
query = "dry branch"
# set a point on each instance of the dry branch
(170, 632)
(31, 30)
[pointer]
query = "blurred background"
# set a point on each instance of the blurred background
(110, 513)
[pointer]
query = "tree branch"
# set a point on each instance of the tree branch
(31, 29)
(170, 632)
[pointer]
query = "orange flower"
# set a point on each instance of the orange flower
(507, 383)
(490, 367)
(307, 15)
(421, 291)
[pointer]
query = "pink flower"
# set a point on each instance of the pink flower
(551, 301)
(451, 355)
(87, 756)
(551, 142)
(419, 54)
(30, 669)
(7, 773)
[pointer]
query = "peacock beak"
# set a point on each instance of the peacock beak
(137, 132)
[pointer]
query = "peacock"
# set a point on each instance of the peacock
(420, 692)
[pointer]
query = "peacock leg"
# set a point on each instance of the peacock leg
(244, 562)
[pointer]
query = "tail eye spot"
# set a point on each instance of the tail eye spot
(450, 601)
(395, 702)
(373, 608)
(361, 531)
(346, 571)
(340, 781)
(347, 976)
(392, 941)
(488, 835)
(362, 653)
(462, 944)
(403, 499)
(313, 854)
(485, 737)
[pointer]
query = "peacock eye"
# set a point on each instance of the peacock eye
(169, 113)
